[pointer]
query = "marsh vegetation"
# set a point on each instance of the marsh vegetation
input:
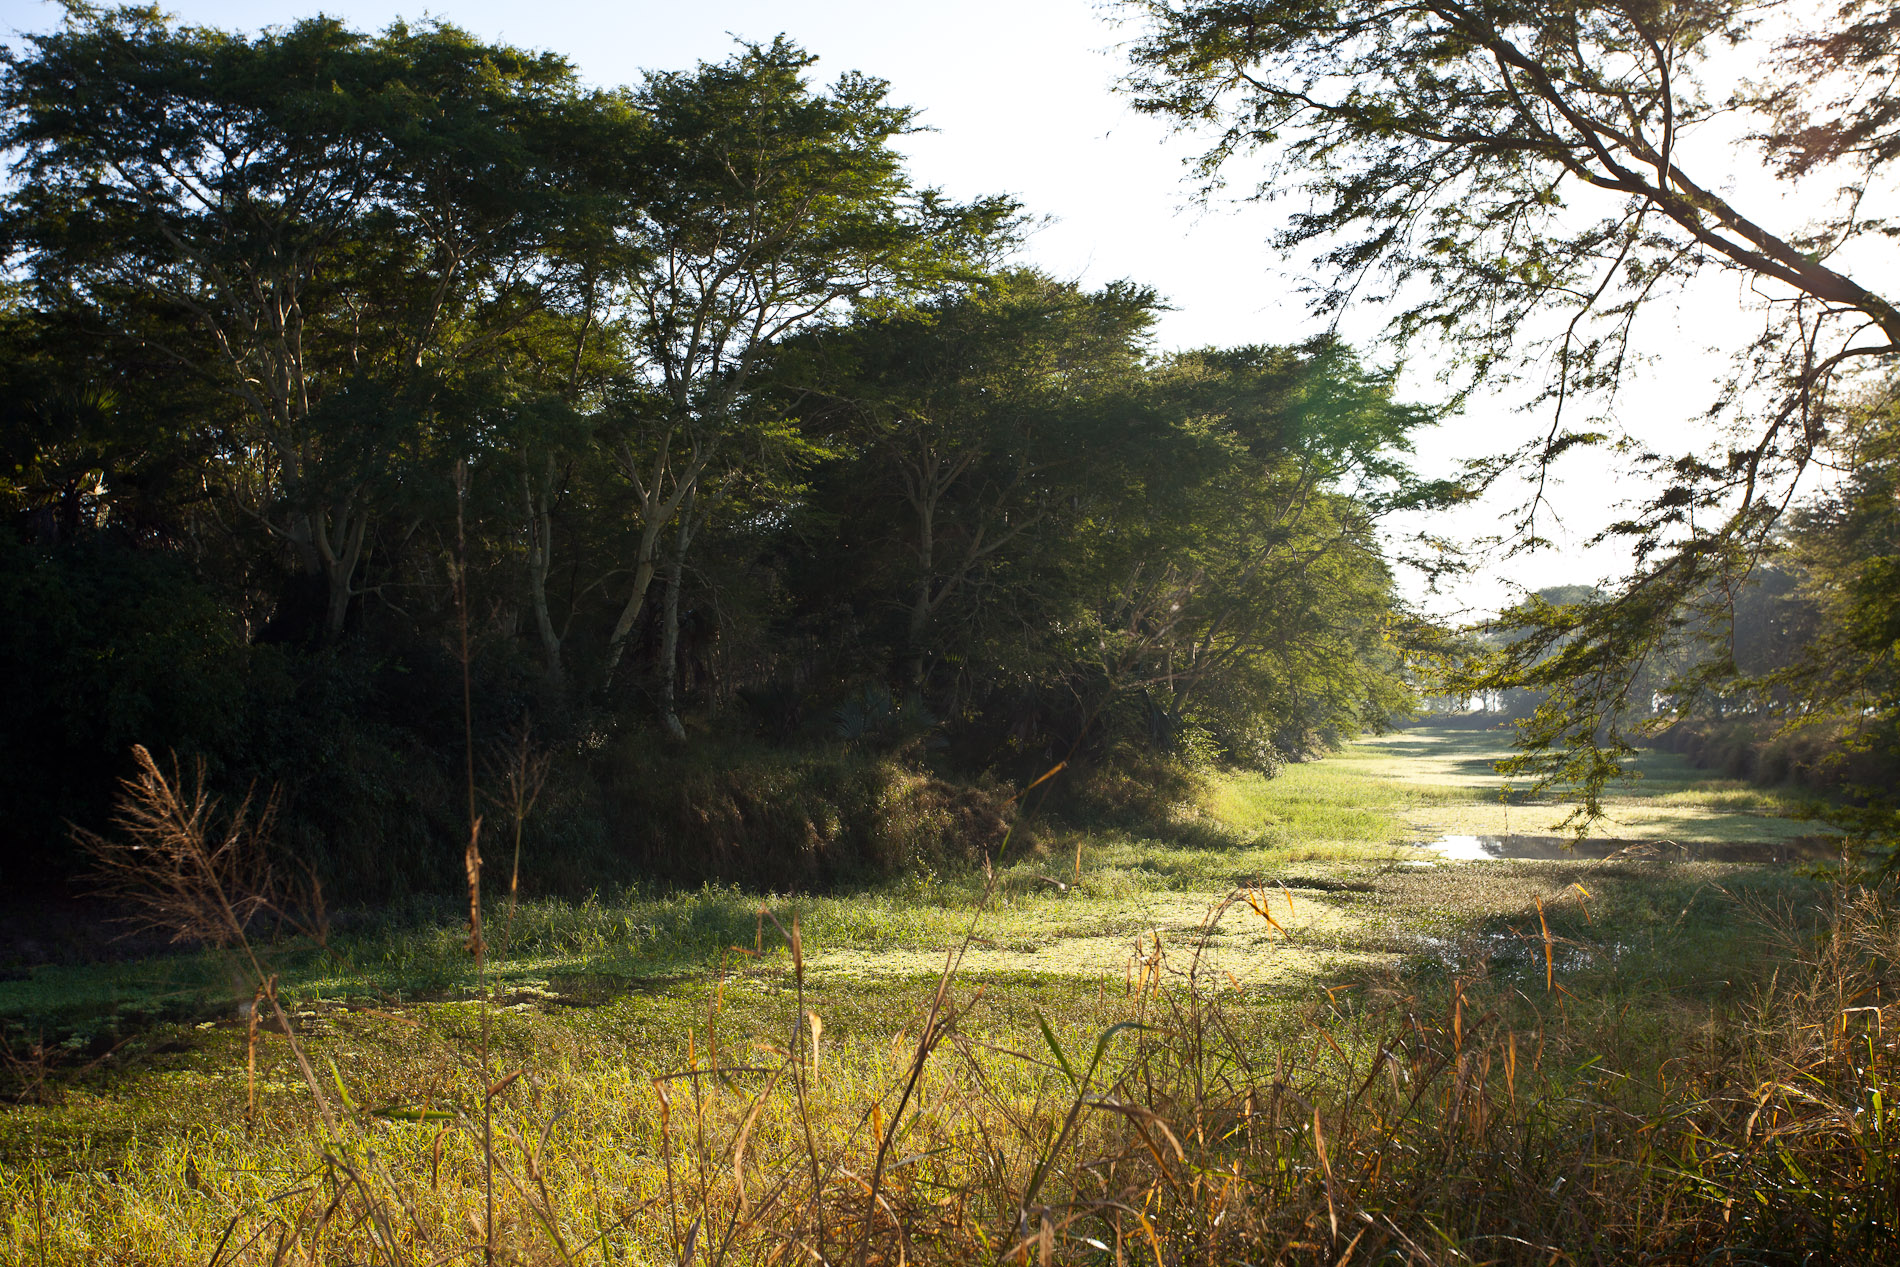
(1271, 1026)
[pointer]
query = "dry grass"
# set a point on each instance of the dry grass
(179, 865)
(1483, 1114)
(1176, 1121)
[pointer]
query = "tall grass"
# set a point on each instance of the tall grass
(1483, 1124)
(1485, 1115)
(1488, 1116)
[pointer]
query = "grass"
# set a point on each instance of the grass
(1338, 1056)
(1438, 782)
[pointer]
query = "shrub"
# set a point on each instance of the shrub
(1817, 756)
(779, 819)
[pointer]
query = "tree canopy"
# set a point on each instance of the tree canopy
(1522, 181)
(714, 428)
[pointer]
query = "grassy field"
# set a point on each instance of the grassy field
(1111, 1047)
(1422, 783)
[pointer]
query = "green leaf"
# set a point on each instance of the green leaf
(1049, 1036)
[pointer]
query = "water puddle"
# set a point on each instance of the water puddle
(1515, 947)
(1563, 848)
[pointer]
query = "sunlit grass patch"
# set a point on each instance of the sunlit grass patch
(1622, 820)
(1662, 797)
(1316, 802)
(1273, 952)
(620, 1141)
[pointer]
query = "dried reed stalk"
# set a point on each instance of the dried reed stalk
(174, 864)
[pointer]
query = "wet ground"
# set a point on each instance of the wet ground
(1367, 859)
(1464, 848)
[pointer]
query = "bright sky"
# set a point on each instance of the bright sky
(1020, 96)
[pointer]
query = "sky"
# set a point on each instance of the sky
(1020, 99)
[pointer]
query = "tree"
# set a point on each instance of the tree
(1839, 653)
(1518, 176)
(265, 292)
(969, 425)
(1251, 600)
(323, 225)
(1066, 544)
(1456, 143)
(767, 208)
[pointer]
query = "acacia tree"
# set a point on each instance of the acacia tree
(1252, 600)
(766, 208)
(968, 424)
(1494, 167)
(1447, 142)
(320, 224)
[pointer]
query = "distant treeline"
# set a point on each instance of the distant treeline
(1786, 673)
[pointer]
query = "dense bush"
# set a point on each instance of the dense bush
(782, 819)
(103, 645)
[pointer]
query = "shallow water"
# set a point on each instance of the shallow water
(1494, 848)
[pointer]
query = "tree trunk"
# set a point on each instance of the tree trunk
(655, 515)
(670, 622)
(643, 570)
(536, 504)
(924, 501)
(314, 537)
(914, 636)
(341, 575)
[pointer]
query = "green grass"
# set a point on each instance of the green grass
(141, 1152)
(1357, 813)
(1416, 784)
(1662, 796)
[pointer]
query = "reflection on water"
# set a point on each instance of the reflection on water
(1491, 848)
(1505, 946)
(1468, 848)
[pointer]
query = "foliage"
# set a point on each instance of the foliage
(1089, 551)
(1829, 655)
(706, 414)
(1515, 161)
(765, 209)
(1845, 547)
(320, 226)
(1519, 181)
(1783, 672)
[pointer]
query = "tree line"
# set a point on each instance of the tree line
(676, 418)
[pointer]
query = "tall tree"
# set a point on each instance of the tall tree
(769, 208)
(318, 223)
(1252, 598)
(970, 423)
